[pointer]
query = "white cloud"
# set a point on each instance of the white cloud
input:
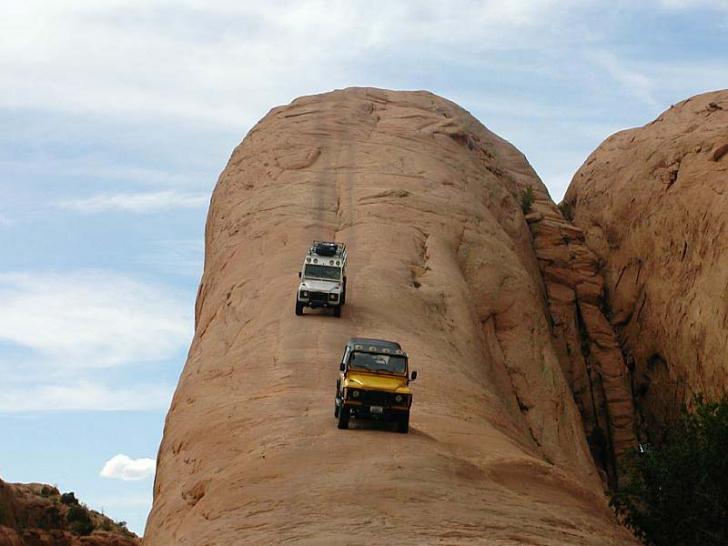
(92, 319)
(83, 395)
(228, 62)
(143, 202)
(123, 467)
(693, 4)
(680, 80)
(175, 256)
(630, 79)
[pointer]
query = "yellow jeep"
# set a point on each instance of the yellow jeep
(374, 383)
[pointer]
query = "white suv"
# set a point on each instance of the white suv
(323, 277)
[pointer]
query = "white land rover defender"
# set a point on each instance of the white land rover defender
(323, 277)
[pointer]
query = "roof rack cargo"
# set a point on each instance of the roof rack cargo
(328, 249)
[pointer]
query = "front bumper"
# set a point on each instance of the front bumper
(364, 410)
(319, 299)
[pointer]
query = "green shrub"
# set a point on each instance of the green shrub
(527, 198)
(567, 210)
(79, 520)
(677, 492)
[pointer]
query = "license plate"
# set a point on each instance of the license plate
(376, 409)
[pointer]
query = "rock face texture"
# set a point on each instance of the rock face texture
(653, 203)
(585, 341)
(38, 515)
(441, 260)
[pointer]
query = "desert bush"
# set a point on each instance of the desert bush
(527, 198)
(79, 520)
(676, 493)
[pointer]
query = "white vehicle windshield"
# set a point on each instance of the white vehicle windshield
(379, 363)
(322, 272)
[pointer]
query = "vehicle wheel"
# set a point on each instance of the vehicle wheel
(343, 293)
(403, 423)
(344, 414)
(337, 311)
(299, 308)
(336, 398)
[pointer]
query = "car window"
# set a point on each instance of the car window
(378, 362)
(323, 272)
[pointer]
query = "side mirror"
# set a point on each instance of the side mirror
(413, 376)
(342, 367)
(299, 274)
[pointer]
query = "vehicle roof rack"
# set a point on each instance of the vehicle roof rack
(328, 249)
(380, 346)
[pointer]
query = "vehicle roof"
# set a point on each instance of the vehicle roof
(378, 343)
(339, 254)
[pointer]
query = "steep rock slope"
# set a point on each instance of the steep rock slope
(36, 514)
(441, 260)
(653, 202)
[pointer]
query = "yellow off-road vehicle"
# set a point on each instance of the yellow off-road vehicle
(374, 383)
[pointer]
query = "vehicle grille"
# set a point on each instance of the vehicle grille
(376, 398)
(318, 296)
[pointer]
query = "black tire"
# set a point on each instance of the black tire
(336, 405)
(299, 308)
(403, 423)
(337, 311)
(344, 414)
(343, 293)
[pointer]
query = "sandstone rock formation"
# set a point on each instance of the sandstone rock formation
(653, 203)
(38, 515)
(441, 260)
(585, 341)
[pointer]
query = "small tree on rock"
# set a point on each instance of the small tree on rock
(676, 493)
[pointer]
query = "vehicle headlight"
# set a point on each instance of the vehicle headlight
(355, 394)
(304, 293)
(333, 297)
(399, 398)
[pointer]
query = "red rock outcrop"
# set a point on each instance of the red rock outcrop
(653, 204)
(584, 339)
(441, 260)
(36, 514)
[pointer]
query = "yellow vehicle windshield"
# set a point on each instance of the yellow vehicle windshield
(394, 364)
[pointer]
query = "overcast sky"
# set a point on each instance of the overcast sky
(117, 117)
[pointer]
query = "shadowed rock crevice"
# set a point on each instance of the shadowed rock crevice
(588, 347)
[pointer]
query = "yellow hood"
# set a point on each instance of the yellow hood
(389, 383)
